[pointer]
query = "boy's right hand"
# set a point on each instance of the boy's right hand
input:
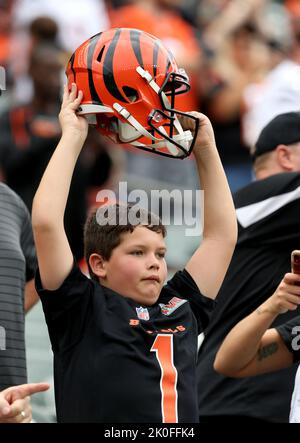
(286, 297)
(71, 122)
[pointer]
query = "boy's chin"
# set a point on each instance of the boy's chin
(147, 299)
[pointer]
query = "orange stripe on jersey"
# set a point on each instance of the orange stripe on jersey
(163, 347)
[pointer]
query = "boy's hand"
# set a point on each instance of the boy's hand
(205, 137)
(286, 297)
(71, 122)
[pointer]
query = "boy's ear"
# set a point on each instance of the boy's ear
(97, 264)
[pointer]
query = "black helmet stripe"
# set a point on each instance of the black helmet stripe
(91, 49)
(155, 59)
(108, 73)
(71, 61)
(135, 38)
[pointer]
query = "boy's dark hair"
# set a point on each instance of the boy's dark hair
(105, 225)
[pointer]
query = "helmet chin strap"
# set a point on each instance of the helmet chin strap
(139, 129)
(129, 132)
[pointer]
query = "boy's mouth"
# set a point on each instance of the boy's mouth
(152, 277)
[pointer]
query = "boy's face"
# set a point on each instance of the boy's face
(137, 267)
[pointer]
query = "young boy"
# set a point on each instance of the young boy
(125, 346)
(251, 348)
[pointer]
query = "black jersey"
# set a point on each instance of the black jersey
(268, 213)
(290, 333)
(117, 361)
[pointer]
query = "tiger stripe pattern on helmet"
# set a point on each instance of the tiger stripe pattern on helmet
(108, 69)
(90, 56)
(71, 62)
(135, 36)
(129, 80)
(138, 52)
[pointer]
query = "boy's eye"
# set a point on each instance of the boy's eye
(161, 254)
(137, 252)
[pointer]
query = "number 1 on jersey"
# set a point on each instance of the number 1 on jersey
(163, 348)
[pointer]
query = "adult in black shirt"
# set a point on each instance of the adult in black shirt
(251, 348)
(268, 213)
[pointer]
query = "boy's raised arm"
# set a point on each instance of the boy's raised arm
(55, 257)
(209, 263)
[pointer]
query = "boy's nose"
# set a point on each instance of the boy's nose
(154, 263)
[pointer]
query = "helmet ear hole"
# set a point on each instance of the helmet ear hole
(131, 93)
(99, 58)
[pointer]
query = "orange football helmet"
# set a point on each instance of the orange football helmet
(129, 82)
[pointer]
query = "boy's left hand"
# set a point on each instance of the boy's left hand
(205, 137)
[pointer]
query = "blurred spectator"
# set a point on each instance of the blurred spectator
(66, 23)
(17, 265)
(5, 38)
(29, 134)
(236, 55)
(42, 30)
(242, 59)
(279, 91)
(5, 29)
(218, 19)
(77, 20)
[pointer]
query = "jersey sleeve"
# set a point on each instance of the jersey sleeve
(290, 333)
(182, 285)
(66, 308)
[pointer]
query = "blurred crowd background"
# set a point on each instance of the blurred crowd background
(242, 58)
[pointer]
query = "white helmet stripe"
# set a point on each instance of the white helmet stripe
(93, 109)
